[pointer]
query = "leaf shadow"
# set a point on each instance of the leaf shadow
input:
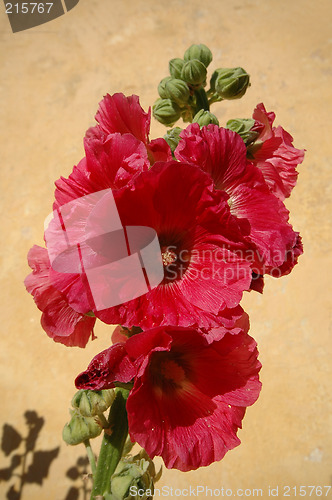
(81, 478)
(27, 464)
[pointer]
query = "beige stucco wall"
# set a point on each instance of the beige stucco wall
(52, 78)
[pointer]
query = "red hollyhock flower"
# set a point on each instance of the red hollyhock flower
(274, 154)
(262, 218)
(59, 320)
(203, 276)
(118, 113)
(189, 397)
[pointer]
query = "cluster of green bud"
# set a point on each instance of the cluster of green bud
(230, 83)
(243, 127)
(177, 91)
(182, 93)
(87, 419)
(134, 478)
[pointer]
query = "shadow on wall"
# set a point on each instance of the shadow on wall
(27, 465)
(82, 478)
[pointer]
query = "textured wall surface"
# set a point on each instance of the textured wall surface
(52, 78)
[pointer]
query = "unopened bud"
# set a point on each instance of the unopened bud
(80, 428)
(131, 477)
(200, 52)
(194, 72)
(243, 127)
(161, 87)
(134, 478)
(177, 90)
(175, 67)
(90, 403)
(166, 112)
(205, 118)
(230, 83)
(172, 137)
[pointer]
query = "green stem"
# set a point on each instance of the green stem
(102, 420)
(112, 445)
(215, 98)
(209, 93)
(91, 457)
(201, 100)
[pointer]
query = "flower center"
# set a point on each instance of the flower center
(175, 255)
(171, 371)
(167, 373)
(168, 256)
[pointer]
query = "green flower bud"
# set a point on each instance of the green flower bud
(134, 478)
(161, 87)
(132, 481)
(166, 112)
(230, 83)
(172, 137)
(80, 428)
(200, 52)
(90, 403)
(178, 91)
(205, 118)
(243, 128)
(175, 67)
(194, 72)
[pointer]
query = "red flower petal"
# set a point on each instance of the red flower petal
(276, 157)
(112, 162)
(60, 321)
(218, 151)
(118, 113)
(159, 150)
(270, 231)
(109, 366)
(262, 218)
